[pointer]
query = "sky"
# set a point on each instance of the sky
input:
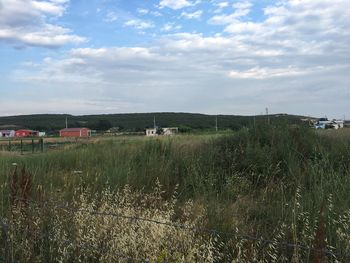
(207, 56)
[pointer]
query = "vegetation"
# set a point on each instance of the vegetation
(139, 121)
(285, 184)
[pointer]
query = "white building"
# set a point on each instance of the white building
(324, 123)
(340, 123)
(42, 134)
(7, 133)
(151, 132)
(170, 131)
(164, 131)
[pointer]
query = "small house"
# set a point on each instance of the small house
(75, 132)
(151, 132)
(340, 123)
(7, 133)
(26, 133)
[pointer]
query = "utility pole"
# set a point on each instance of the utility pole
(267, 115)
(216, 123)
(66, 122)
(154, 122)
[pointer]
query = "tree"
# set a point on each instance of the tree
(104, 125)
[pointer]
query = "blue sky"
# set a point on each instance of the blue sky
(208, 56)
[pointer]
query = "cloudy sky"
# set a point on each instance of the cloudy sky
(207, 56)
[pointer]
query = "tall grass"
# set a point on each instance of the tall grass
(283, 183)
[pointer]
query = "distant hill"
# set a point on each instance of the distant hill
(139, 121)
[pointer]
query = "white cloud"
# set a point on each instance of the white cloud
(24, 22)
(243, 27)
(193, 15)
(242, 5)
(265, 73)
(223, 4)
(54, 8)
(220, 6)
(111, 17)
(143, 11)
(175, 4)
(170, 27)
(139, 24)
(242, 9)
(48, 36)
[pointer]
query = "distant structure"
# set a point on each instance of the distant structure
(113, 131)
(26, 133)
(169, 131)
(156, 130)
(267, 115)
(151, 132)
(75, 132)
(7, 133)
(324, 123)
(42, 134)
(340, 123)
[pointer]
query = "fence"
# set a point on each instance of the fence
(29, 145)
(34, 145)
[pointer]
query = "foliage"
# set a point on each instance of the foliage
(140, 121)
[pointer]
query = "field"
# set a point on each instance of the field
(267, 194)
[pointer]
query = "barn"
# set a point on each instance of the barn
(75, 132)
(26, 133)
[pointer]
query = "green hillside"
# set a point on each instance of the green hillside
(139, 121)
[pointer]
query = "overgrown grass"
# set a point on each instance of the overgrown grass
(276, 182)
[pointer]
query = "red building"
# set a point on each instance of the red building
(75, 132)
(26, 133)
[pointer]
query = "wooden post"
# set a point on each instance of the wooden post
(21, 146)
(9, 145)
(41, 141)
(32, 145)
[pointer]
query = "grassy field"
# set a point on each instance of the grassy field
(280, 183)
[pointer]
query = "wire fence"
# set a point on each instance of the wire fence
(134, 219)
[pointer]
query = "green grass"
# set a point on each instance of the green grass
(247, 178)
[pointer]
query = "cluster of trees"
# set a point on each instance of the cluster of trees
(135, 122)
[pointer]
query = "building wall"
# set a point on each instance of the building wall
(170, 131)
(80, 133)
(151, 132)
(26, 133)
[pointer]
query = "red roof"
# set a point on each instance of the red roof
(73, 129)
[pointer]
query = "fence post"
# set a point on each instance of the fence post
(32, 145)
(41, 141)
(21, 146)
(9, 145)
